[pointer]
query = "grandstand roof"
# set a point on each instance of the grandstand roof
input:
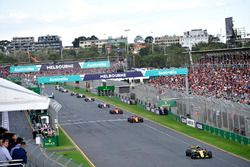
(14, 97)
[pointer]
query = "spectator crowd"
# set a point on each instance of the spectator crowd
(11, 148)
(220, 78)
(223, 81)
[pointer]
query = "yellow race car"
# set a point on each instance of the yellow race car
(197, 152)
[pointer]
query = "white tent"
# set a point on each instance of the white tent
(14, 97)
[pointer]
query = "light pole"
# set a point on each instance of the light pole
(106, 45)
(127, 30)
(152, 43)
(127, 49)
(61, 52)
(190, 54)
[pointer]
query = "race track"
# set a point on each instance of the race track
(110, 141)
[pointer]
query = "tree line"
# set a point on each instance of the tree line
(151, 55)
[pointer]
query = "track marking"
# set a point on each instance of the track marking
(183, 135)
(96, 121)
(225, 161)
(164, 133)
(78, 148)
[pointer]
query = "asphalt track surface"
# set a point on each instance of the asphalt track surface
(110, 141)
(20, 125)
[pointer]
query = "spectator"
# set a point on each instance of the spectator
(20, 153)
(4, 152)
(12, 141)
(18, 145)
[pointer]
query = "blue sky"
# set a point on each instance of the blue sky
(72, 18)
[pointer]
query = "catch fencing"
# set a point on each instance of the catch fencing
(223, 115)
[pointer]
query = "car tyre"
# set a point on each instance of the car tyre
(209, 154)
(193, 156)
(188, 152)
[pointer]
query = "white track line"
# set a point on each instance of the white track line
(96, 121)
(164, 133)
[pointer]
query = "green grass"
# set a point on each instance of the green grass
(169, 121)
(67, 149)
(76, 156)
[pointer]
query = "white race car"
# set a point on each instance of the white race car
(89, 99)
(103, 105)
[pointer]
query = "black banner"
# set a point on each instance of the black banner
(199, 125)
(130, 74)
(183, 120)
(59, 66)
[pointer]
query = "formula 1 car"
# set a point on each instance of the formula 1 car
(89, 99)
(57, 87)
(103, 105)
(51, 96)
(197, 152)
(135, 119)
(116, 111)
(80, 96)
(73, 94)
(64, 90)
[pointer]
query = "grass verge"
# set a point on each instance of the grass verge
(167, 121)
(67, 149)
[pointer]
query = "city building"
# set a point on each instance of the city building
(90, 43)
(136, 47)
(21, 44)
(28, 44)
(190, 38)
(167, 40)
(100, 42)
(116, 41)
(51, 42)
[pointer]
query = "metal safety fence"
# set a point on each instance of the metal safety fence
(226, 116)
(40, 157)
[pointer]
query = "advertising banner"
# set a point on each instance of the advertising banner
(199, 125)
(95, 64)
(66, 78)
(166, 72)
(23, 69)
(190, 122)
(59, 66)
(113, 75)
(183, 119)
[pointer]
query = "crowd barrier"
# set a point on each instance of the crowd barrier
(194, 105)
(42, 157)
(212, 130)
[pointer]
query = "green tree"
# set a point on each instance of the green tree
(77, 40)
(175, 56)
(144, 51)
(138, 39)
(209, 46)
(69, 54)
(149, 39)
(3, 45)
(247, 44)
(7, 59)
(54, 56)
(93, 37)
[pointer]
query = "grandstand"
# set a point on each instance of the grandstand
(116, 65)
(222, 74)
